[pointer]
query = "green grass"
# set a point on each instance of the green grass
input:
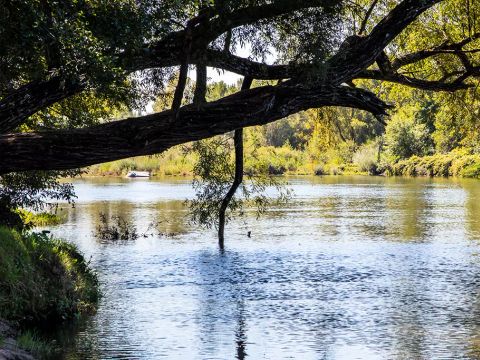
(31, 342)
(43, 279)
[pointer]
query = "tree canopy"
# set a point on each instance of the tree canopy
(68, 69)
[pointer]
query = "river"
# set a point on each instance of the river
(351, 268)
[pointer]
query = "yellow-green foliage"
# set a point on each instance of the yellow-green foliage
(275, 160)
(42, 278)
(456, 163)
(175, 162)
(366, 158)
(31, 219)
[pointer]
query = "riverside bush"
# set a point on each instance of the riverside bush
(366, 158)
(455, 163)
(43, 279)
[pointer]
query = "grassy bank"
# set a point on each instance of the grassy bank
(173, 162)
(282, 160)
(285, 160)
(41, 219)
(454, 164)
(43, 279)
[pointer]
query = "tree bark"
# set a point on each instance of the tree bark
(17, 106)
(151, 134)
(238, 143)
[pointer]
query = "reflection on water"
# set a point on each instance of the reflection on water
(352, 268)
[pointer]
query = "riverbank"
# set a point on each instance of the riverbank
(287, 161)
(42, 281)
(9, 347)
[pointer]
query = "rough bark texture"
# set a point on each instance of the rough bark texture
(158, 132)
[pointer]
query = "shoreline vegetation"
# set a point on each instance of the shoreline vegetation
(428, 134)
(286, 160)
(43, 281)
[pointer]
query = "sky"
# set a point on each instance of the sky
(216, 75)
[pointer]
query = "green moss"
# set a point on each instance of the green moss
(43, 279)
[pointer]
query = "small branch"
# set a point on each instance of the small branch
(363, 26)
(183, 73)
(444, 48)
(180, 89)
(228, 42)
(429, 85)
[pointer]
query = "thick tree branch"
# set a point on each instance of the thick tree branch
(359, 52)
(16, 107)
(156, 133)
(206, 33)
(28, 99)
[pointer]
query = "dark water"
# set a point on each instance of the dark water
(352, 268)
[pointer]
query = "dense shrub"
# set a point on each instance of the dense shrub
(116, 228)
(455, 163)
(366, 158)
(471, 171)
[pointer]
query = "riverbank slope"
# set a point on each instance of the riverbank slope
(42, 280)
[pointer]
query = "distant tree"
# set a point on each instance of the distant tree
(405, 136)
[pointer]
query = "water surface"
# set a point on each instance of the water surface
(351, 268)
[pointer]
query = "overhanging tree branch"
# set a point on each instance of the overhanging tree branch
(156, 133)
(16, 107)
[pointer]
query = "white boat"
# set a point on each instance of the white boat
(135, 174)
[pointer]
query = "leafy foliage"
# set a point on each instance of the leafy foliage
(213, 177)
(405, 137)
(49, 279)
(34, 190)
(115, 228)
